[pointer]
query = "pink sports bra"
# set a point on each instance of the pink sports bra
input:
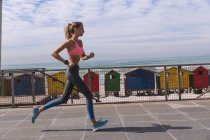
(77, 50)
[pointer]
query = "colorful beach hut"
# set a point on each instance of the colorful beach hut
(6, 91)
(112, 83)
(56, 83)
(23, 85)
(172, 78)
(200, 78)
(91, 80)
(139, 80)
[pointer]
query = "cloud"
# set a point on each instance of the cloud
(135, 27)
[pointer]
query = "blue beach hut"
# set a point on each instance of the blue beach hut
(139, 80)
(23, 85)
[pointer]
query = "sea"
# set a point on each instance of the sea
(204, 59)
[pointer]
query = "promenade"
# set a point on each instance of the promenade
(172, 120)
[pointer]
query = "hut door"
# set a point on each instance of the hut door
(200, 77)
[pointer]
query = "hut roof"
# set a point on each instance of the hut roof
(113, 71)
(200, 67)
(176, 68)
(138, 69)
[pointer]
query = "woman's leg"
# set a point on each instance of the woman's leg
(78, 82)
(80, 85)
(63, 99)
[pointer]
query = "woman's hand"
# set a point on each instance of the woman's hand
(71, 65)
(92, 55)
(86, 57)
(66, 62)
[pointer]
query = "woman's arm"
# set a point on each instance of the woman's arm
(84, 56)
(56, 52)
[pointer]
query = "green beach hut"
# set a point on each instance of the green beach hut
(112, 83)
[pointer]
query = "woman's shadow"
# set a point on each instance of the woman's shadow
(153, 128)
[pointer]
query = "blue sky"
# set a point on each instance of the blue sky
(114, 29)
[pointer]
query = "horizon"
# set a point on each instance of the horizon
(123, 60)
(169, 61)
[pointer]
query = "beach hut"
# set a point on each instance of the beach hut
(91, 80)
(112, 83)
(200, 79)
(6, 91)
(56, 84)
(139, 80)
(23, 85)
(172, 78)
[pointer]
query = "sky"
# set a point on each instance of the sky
(114, 29)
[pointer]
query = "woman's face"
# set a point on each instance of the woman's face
(80, 31)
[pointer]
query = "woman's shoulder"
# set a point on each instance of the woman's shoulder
(73, 42)
(70, 41)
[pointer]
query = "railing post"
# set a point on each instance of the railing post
(12, 89)
(33, 86)
(166, 84)
(89, 79)
(44, 84)
(2, 83)
(179, 82)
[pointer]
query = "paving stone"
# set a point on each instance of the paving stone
(205, 122)
(74, 137)
(200, 134)
(182, 125)
(199, 115)
(137, 119)
(192, 109)
(106, 137)
(172, 117)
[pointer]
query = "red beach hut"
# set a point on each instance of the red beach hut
(200, 78)
(91, 80)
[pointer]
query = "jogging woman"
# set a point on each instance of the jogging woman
(74, 47)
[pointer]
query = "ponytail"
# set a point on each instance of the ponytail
(69, 29)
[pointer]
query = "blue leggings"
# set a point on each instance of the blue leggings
(74, 80)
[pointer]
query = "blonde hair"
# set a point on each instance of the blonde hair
(69, 29)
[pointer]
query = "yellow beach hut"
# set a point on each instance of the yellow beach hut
(56, 83)
(172, 78)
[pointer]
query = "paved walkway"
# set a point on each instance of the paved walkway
(172, 120)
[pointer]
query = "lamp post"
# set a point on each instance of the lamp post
(0, 30)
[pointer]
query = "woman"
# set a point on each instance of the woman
(76, 52)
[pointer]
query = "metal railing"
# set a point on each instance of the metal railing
(108, 84)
